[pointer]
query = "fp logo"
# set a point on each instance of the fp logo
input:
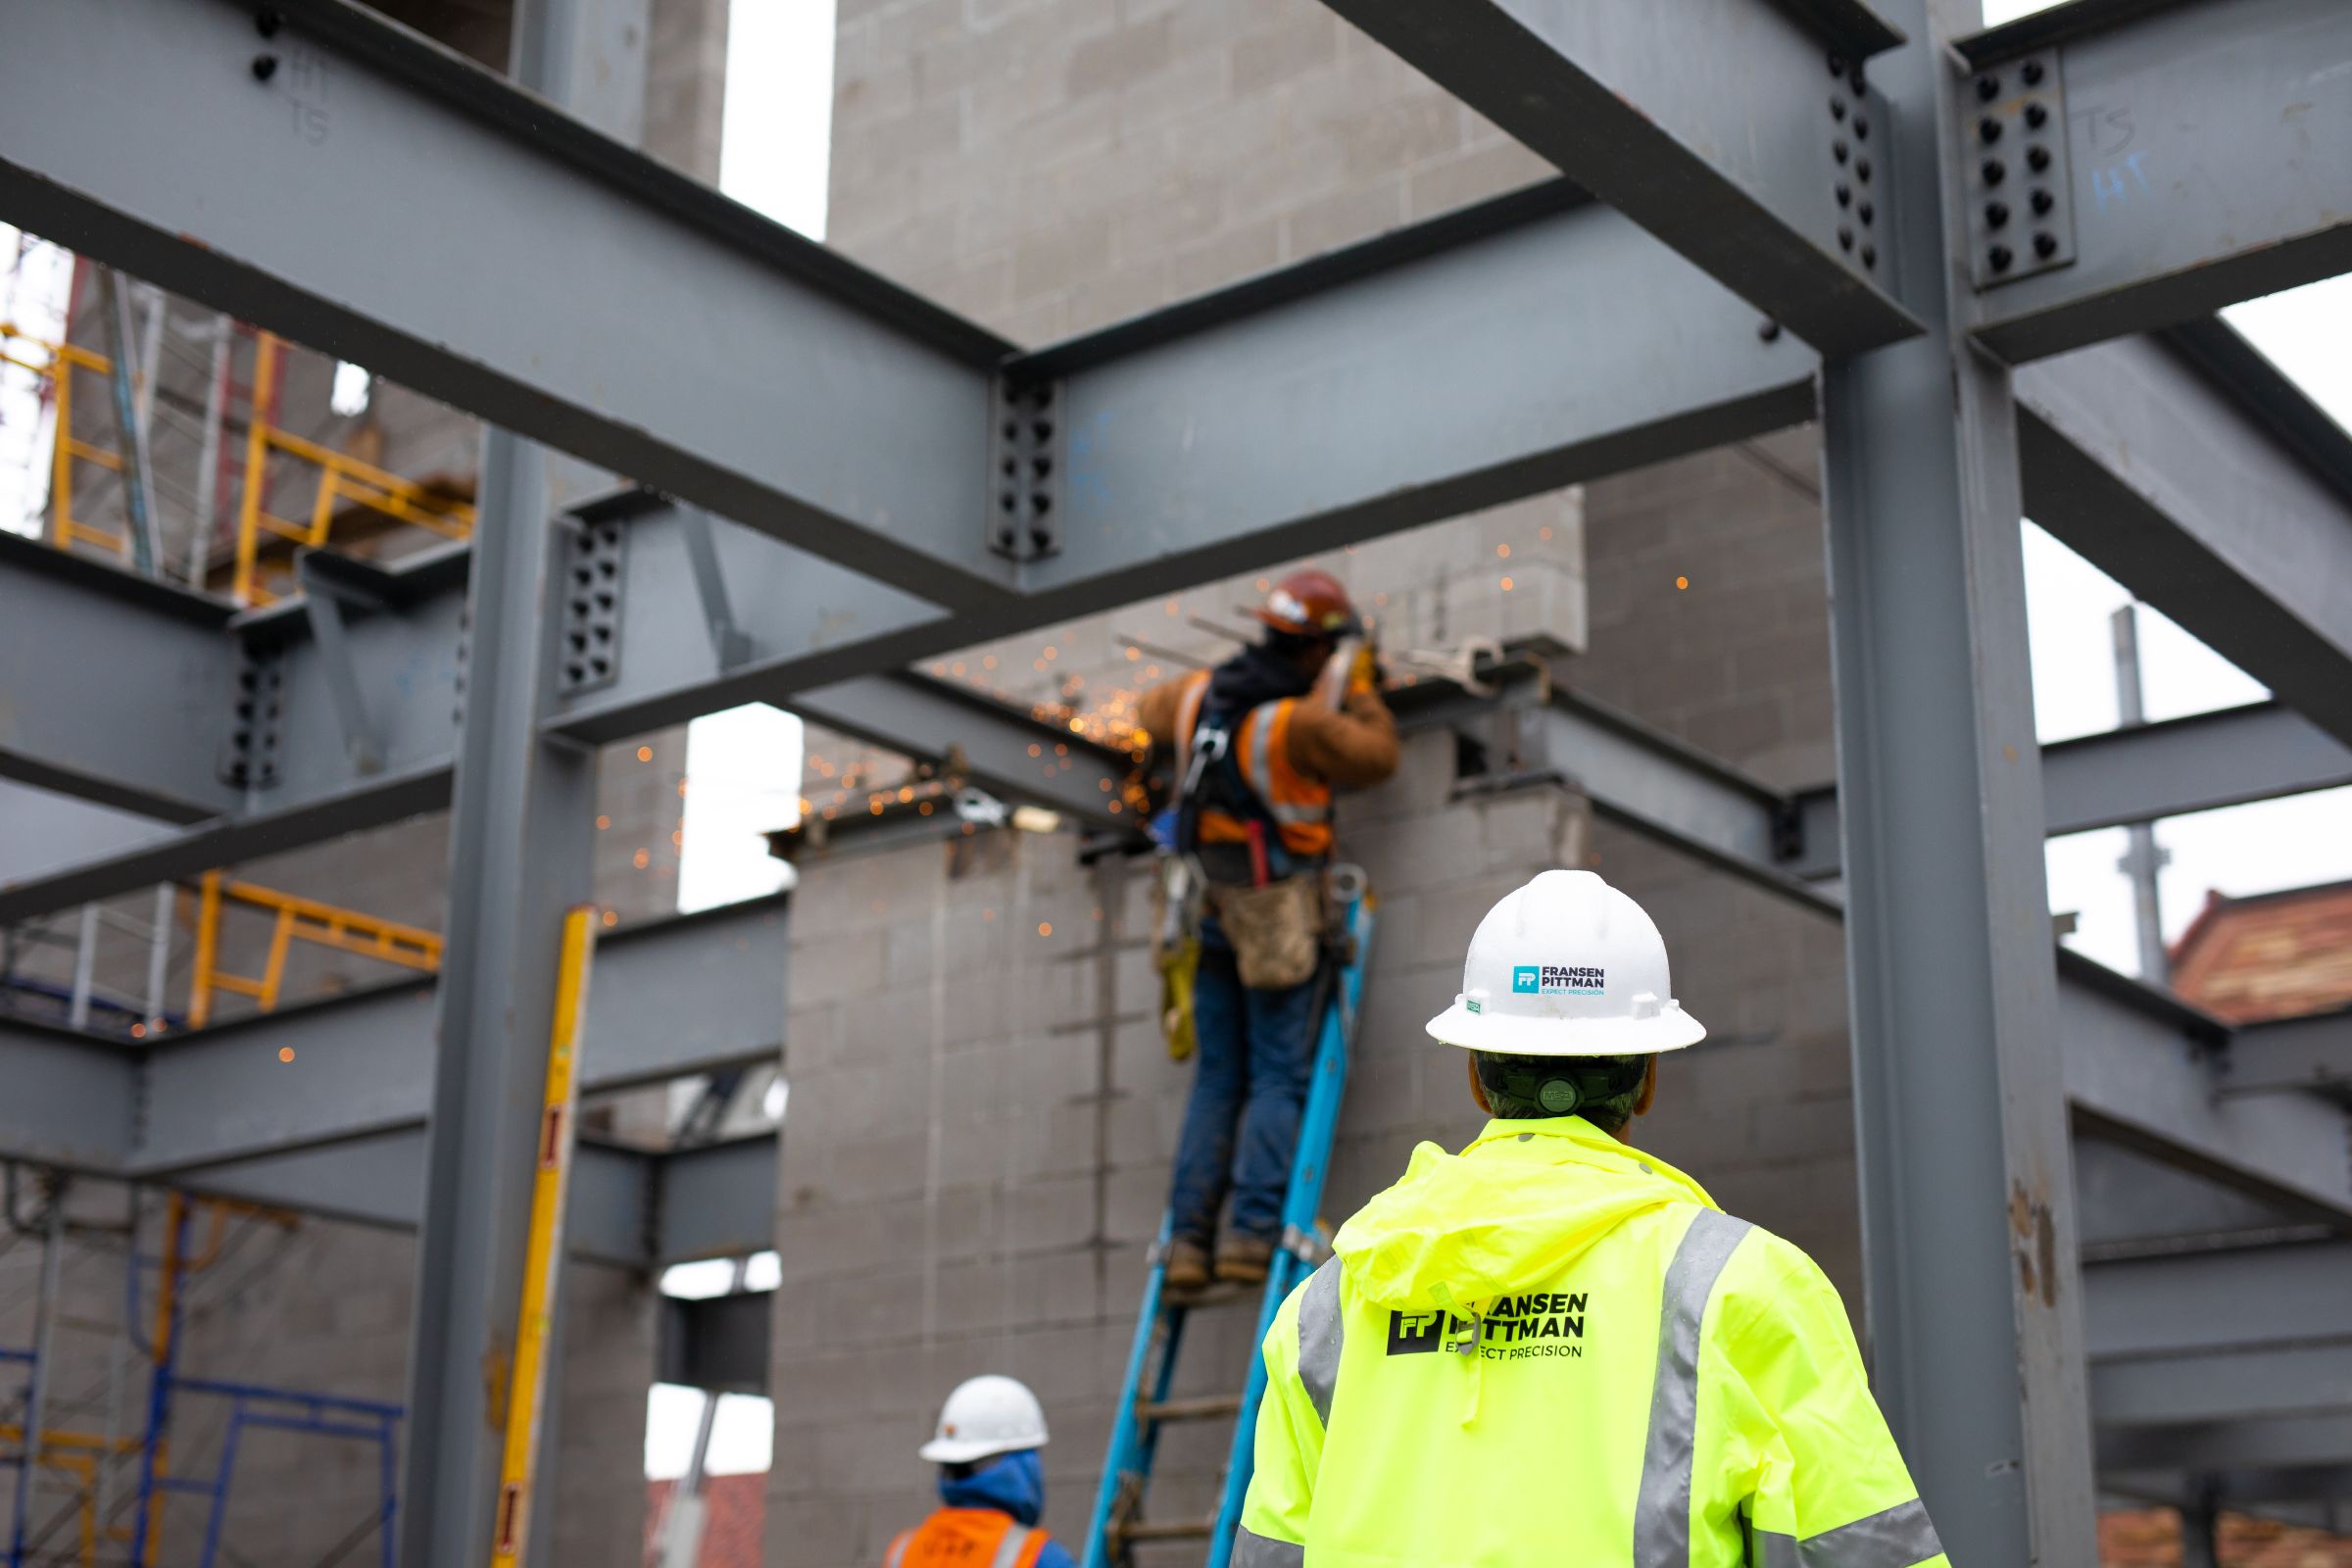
(1527, 979)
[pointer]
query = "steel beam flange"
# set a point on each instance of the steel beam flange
(1024, 451)
(592, 588)
(2021, 209)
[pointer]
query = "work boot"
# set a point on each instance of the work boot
(1245, 1259)
(1188, 1266)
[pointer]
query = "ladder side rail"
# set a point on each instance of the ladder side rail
(1311, 1167)
(1125, 1437)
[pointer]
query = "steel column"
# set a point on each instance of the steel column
(521, 831)
(1966, 1185)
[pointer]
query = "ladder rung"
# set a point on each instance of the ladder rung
(1206, 1408)
(1180, 1529)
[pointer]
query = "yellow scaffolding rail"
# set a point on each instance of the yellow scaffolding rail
(298, 919)
(65, 529)
(340, 478)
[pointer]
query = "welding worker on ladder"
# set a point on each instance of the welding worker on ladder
(992, 1486)
(1260, 743)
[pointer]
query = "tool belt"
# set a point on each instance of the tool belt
(1276, 930)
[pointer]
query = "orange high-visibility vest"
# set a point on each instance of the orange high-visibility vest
(1301, 805)
(967, 1537)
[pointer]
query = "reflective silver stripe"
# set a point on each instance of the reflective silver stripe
(1008, 1550)
(1662, 1512)
(1259, 777)
(898, 1549)
(1300, 813)
(1893, 1537)
(1320, 1337)
(1253, 1550)
(1188, 717)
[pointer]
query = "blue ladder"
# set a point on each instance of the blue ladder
(1118, 1523)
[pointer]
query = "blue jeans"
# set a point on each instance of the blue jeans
(1256, 1050)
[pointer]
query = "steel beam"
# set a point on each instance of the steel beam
(2182, 765)
(231, 1097)
(1966, 1178)
(717, 1343)
(2199, 499)
(665, 333)
(1540, 342)
(2313, 1052)
(2204, 148)
(69, 1100)
(2136, 1083)
(1705, 120)
(620, 1211)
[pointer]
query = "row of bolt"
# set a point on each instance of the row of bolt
(1995, 168)
(1853, 187)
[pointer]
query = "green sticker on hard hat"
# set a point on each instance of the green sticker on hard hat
(1473, 1005)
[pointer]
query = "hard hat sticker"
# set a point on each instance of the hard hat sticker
(1557, 980)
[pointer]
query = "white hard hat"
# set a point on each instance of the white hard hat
(984, 1416)
(1567, 966)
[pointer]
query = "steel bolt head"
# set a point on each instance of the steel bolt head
(1870, 255)
(1837, 65)
(2037, 159)
(1862, 170)
(263, 67)
(267, 20)
(2042, 201)
(1837, 106)
(1989, 87)
(1838, 150)
(1988, 129)
(1768, 330)
(2045, 245)
(2000, 257)
(2033, 73)
(1845, 236)
(1846, 193)
(1866, 212)
(1995, 171)
(1861, 128)
(1996, 214)
(2038, 115)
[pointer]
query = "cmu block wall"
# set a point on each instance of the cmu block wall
(983, 1114)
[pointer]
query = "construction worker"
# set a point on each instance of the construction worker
(992, 1486)
(1553, 1347)
(1260, 743)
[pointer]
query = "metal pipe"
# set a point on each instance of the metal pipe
(85, 961)
(138, 478)
(208, 457)
(2143, 859)
(44, 1336)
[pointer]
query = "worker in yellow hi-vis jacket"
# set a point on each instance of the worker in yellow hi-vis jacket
(1553, 1347)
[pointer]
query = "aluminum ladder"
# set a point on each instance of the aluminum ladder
(1118, 1523)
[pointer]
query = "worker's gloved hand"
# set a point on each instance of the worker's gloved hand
(1366, 675)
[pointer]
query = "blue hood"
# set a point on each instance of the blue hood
(1010, 1483)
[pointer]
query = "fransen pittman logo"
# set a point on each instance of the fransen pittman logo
(1557, 980)
(1519, 1327)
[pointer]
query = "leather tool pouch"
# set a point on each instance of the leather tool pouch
(1276, 930)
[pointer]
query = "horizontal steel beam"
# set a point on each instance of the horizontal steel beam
(362, 1064)
(1702, 119)
(2313, 1052)
(1534, 342)
(622, 1208)
(2214, 502)
(2146, 773)
(644, 322)
(2204, 151)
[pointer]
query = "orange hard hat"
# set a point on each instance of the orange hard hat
(1309, 603)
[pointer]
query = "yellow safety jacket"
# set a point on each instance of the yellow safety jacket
(1556, 1349)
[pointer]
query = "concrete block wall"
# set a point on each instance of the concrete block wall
(983, 1114)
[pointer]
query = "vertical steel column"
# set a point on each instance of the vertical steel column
(523, 813)
(521, 831)
(1966, 1174)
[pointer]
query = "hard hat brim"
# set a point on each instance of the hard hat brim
(1505, 1034)
(963, 1450)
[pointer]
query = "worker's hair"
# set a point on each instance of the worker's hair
(1600, 1089)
